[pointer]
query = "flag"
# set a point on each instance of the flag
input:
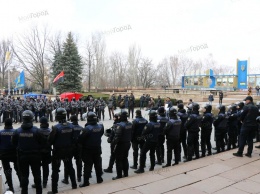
(59, 78)
(20, 81)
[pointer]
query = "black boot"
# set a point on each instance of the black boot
(108, 170)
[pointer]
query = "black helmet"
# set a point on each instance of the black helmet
(60, 114)
(138, 113)
(152, 114)
(208, 108)
(91, 117)
(27, 116)
(233, 107)
(161, 110)
(222, 108)
(180, 106)
(172, 112)
(123, 115)
(241, 105)
(73, 118)
(116, 115)
(195, 107)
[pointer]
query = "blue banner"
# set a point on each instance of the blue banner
(20, 81)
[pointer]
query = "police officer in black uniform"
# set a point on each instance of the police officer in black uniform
(162, 119)
(76, 150)
(62, 139)
(232, 128)
(206, 129)
(137, 141)
(249, 127)
(172, 132)
(221, 124)
(45, 151)
(193, 126)
(90, 139)
(150, 134)
(122, 139)
(28, 141)
(8, 152)
(240, 107)
(110, 133)
(183, 133)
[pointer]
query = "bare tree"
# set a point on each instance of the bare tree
(174, 69)
(163, 73)
(30, 52)
(118, 67)
(185, 64)
(147, 74)
(133, 60)
(5, 49)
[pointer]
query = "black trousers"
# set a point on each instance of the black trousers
(173, 145)
(220, 143)
(193, 144)
(160, 148)
(136, 145)
(121, 154)
(232, 138)
(78, 161)
(183, 141)
(148, 146)
(90, 158)
(46, 160)
(25, 162)
(247, 135)
(8, 170)
(111, 112)
(112, 157)
(205, 141)
(56, 162)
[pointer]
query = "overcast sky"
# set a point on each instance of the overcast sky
(230, 29)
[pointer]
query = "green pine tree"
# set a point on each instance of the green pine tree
(70, 63)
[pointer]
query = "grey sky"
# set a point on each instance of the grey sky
(229, 28)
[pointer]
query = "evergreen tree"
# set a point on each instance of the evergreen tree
(70, 63)
(57, 66)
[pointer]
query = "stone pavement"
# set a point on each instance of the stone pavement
(222, 173)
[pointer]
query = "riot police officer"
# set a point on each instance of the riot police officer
(67, 107)
(206, 129)
(193, 126)
(221, 124)
(162, 119)
(123, 136)
(28, 141)
(172, 132)
(150, 134)
(45, 151)
(76, 150)
(90, 139)
(249, 127)
(183, 133)
(110, 133)
(232, 128)
(62, 139)
(8, 153)
(240, 107)
(137, 141)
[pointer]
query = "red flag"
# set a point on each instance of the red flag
(59, 78)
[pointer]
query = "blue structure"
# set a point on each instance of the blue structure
(241, 80)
